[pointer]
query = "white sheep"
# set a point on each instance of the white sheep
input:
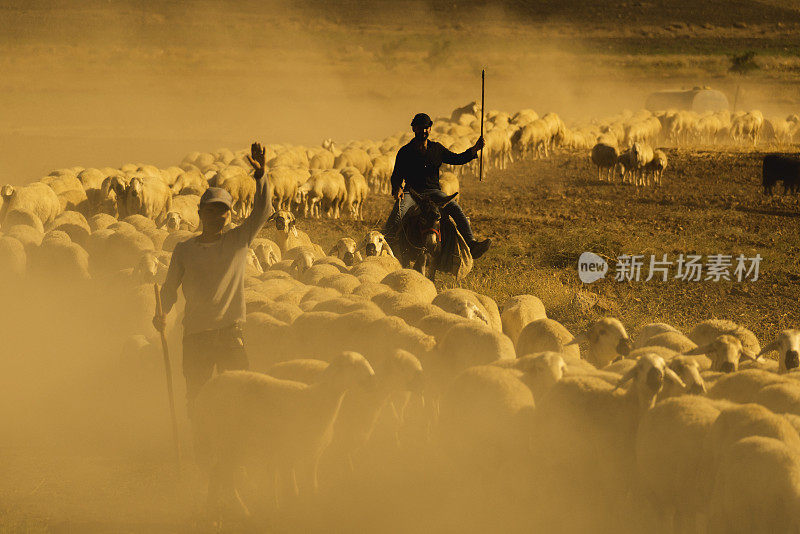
(724, 352)
(37, 198)
(547, 335)
(357, 192)
(411, 282)
(518, 312)
(276, 426)
(743, 386)
(149, 197)
(345, 249)
(707, 331)
(607, 340)
(787, 345)
(757, 489)
(183, 213)
(673, 465)
(485, 418)
(374, 244)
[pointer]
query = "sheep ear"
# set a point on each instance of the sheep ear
(702, 349)
(272, 217)
(358, 256)
(363, 245)
(772, 345)
(672, 375)
(386, 247)
(580, 338)
(749, 355)
(627, 377)
(294, 229)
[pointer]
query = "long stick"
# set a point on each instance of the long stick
(483, 84)
(168, 370)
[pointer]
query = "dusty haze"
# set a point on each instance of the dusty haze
(102, 85)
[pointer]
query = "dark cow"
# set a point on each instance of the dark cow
(777, 168)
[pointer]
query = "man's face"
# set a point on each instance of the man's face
(214, 217)
(421, 133)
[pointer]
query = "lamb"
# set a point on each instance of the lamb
(36, 197)
(242, 417)
(757, 488)
(518, 312)
(607, 340)
(374, 244)
(605, 158)
(787, 345)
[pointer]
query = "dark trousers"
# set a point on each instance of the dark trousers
(222, 349)
(452, 209)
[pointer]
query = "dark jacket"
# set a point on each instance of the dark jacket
(421, 171)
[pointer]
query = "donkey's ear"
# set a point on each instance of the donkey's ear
(444, 201)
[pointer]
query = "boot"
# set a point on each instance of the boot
(478, 248)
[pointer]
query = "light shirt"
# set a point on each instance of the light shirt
(212, 274)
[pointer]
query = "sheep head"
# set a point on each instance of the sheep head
(374, 244)
(725, 352)
(689, 372)
(608, 340)
(173, 221)
(787, 344)
(400, 371)
(134, 196)
(7, 192)
(648, 377)
(284, 222)
(345, 250)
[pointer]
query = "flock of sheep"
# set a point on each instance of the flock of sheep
(699, 426)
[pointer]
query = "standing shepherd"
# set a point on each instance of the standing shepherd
(211, 269)
(417, 164)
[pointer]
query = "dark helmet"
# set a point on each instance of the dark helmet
(421, 119)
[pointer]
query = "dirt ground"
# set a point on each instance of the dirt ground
(150, 83)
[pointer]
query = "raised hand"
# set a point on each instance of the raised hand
(257, 159)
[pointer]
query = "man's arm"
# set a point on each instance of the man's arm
(397, 174)
(262, 202)
(169, 291)
(451, 158)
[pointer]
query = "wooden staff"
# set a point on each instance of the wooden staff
(483, 83)
(168, 370)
